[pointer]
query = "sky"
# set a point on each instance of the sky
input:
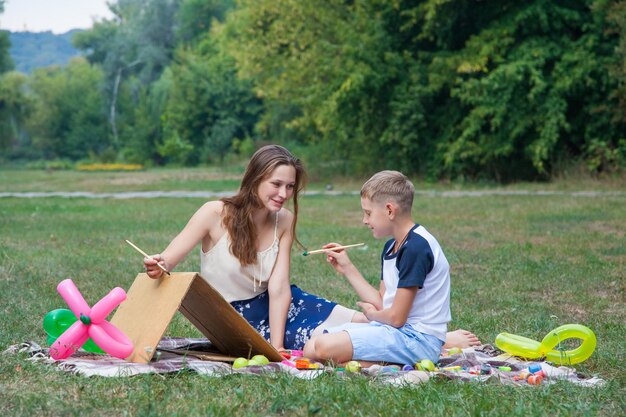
(58, 16)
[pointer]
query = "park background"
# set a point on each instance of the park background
(509, 116)
(454, 90)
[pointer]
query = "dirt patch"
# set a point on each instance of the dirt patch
(607, 228)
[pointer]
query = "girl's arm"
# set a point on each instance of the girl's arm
(279, 288)
(197, 228)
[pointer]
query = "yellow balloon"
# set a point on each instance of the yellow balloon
(532, 349)
(519, 346)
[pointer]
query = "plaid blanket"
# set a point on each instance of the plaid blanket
(174, 355)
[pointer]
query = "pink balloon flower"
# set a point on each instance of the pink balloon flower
(91, 323)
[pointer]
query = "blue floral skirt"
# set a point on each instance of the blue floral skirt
(306, 312)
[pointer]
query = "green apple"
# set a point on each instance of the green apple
(253, 362)
(261, 359)
(427, 365)
(353, 366)
(454, 351)
(240, 363)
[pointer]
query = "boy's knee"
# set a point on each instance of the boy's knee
(309, 348)
(317, 348)
(326, 348)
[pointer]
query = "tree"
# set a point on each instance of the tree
(532, 82)
(6, 63)
(456, 88)
(136, 45)
(68, 120)
(208, 106)
(616, 17)
(15, 106)
(144, 129)
(323, 68)
(195, 17)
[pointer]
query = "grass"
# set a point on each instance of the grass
(523, 264)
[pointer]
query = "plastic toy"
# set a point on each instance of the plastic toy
(289, 363)
(296, 353)
(59, 320)
(533, 374)
(91, 323)
(532, 349)
(302, 363)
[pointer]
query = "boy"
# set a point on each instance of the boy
(408, 315)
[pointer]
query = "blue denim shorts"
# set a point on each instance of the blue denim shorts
(383, 343)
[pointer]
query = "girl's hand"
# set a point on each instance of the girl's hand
(150, 264)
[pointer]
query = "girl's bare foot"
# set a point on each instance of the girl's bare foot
(462, 339)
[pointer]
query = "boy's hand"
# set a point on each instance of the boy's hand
(338, 259)
(367, 308)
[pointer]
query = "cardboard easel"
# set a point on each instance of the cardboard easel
(150, 306)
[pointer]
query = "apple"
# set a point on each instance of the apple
(261, 359)
(353, 366)
(240, 363)
(454, 351)
(427, 365)
(253, 362)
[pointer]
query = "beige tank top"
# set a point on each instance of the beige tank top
(220, 268)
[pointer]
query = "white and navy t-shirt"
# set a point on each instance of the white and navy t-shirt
(419, 262)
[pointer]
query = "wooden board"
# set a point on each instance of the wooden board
(151, 304)
(148, 309)
(205, 356)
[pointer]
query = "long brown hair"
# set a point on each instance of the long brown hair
(239, 208)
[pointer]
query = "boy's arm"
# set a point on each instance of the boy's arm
(364, 289)
(342, 264)
(397, 314)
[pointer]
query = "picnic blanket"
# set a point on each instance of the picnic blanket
(185, 354)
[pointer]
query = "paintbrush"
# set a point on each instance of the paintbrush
(313, 252)
(147, 256)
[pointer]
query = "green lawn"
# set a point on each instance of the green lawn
(523, 264)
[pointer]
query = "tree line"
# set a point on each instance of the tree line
(472, 89)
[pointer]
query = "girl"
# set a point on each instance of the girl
(246, 245)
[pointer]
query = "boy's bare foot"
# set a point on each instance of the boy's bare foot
(462, 339)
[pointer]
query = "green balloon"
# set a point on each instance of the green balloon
(56, 322)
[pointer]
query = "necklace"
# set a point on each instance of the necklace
(397, 245)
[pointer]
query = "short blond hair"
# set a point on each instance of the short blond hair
(390, 186)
